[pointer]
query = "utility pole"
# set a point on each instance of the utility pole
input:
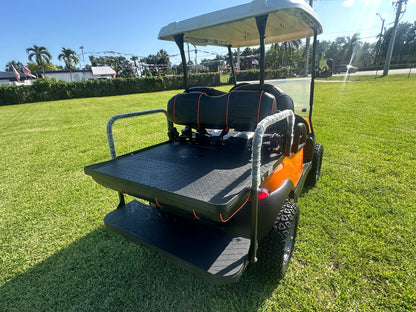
(196, 59)
(378, 45)
(82, 53)
(379, 37)
(189, 59)
(399, 4)
(308, 43)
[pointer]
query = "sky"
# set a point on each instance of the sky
(130, 27)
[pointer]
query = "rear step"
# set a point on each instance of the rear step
(205, 251)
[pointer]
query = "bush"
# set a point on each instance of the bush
(250, 75)
(45, 89)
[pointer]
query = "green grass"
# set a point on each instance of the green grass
(356, 242)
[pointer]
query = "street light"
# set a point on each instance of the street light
(382, 20)
(379, 39)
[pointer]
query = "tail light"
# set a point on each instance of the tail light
(262, 194)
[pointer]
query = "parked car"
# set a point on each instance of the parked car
(344, 68)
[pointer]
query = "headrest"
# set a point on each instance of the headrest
(284, 101)
(241, 110)
(208, 90)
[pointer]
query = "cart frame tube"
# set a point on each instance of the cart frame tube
(180, 43)
(315, 43)
(110, 137)
(255, 171)
(230, 55)
(261, 22)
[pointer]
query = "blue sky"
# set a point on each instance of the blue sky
(132, 26)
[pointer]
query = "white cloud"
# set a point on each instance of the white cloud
(348, 3)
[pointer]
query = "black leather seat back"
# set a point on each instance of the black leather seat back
(241, 109)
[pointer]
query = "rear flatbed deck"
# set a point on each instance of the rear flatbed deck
(212, 179)
(206, 251)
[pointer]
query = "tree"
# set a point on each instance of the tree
(289, 47)
(69, 57)
(120, 64)
(366, 55)
(15, 64)
(212, 65)
(135, 59)
(274, 57)
(246, 59)
(35, 68)
(350, 47)
(161, 60)
(41, 55)
(405, 43)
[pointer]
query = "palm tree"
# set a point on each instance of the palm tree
(17, 65)
(349, 48)
(68, 56)
(288, 48)
(134, 59)
(41, 55)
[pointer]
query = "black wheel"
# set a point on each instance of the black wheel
(275, 250)
(313, 175)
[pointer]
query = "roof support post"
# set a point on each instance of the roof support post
(261, 22)
(179, 43)
(313, 72)
(230, 55)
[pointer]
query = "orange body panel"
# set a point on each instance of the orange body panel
(291, 168)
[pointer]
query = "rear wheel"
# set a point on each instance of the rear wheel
(313, 175)
(275, 250)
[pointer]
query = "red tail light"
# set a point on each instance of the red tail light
(263, 193)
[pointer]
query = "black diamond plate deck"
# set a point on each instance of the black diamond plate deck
(212, 180)
(206, 251)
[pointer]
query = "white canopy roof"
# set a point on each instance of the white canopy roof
(236, 26)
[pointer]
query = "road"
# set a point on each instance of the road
(380, 72)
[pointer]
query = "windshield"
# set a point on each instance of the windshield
(298, 89)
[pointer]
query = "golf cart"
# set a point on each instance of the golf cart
(223, 191)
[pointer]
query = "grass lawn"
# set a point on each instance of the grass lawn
(356, 246)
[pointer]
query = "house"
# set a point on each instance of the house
(95, 72)
(9, 78)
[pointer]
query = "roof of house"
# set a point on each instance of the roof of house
(102, 70)
(65, 71)
(11, 76)
(96, 71)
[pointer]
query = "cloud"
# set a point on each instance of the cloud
(348, 3)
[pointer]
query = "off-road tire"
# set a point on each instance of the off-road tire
(276, 248)
(315, 172)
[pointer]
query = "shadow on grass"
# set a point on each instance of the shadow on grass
(103, 272)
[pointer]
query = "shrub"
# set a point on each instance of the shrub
(45, 89)
(250, 75)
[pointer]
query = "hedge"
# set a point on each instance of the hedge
(250, 75)
(51, 90)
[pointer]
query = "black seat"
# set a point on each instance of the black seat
(208, 90)
(240, 109)
(284, 101)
